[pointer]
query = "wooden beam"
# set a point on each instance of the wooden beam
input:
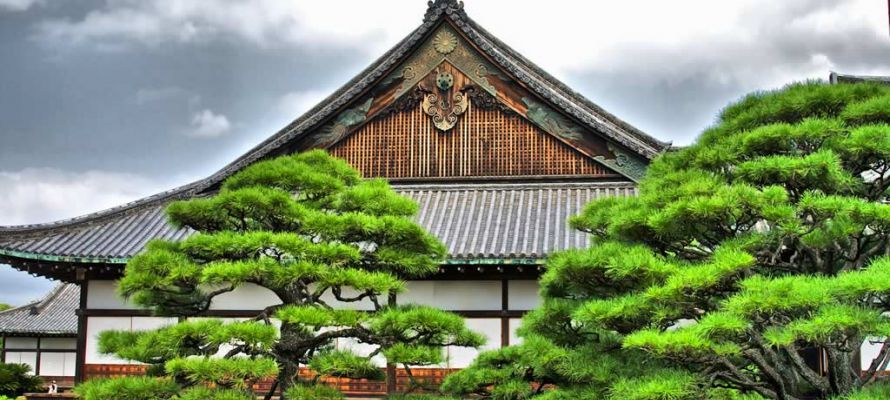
(81, 356)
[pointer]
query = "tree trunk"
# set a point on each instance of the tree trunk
(840, 372)
(289, 352)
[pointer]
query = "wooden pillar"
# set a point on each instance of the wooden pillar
(37, 363)
(505, 308)
(390, 367)
(81, 355)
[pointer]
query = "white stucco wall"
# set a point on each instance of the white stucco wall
(454, 295)
(52, 362)
(869, 352)
(523, 295)
(96, 325)
(461, 357)
(28, 358)
(103, 295)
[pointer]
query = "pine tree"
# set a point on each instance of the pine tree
(744, 254)
(311, 231)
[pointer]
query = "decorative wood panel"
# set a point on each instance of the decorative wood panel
(483, 143)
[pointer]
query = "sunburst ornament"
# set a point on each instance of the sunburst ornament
(445, 42)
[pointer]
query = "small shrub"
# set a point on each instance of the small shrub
(15, 380)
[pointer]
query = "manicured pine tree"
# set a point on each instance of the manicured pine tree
(746, 258)
(309, 229)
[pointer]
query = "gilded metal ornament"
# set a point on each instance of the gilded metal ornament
(445, 42)
(443, 111)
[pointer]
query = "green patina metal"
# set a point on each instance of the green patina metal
(628, 164)
(552, 121)
(337, 129)
(124, 261)
(496, 261)
(63, 259)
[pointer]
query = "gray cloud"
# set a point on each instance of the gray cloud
(16, 5)
(207, 124)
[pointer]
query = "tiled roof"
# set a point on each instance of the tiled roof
(491, 221)
(836, 78)
(507, 221)
(53, 316)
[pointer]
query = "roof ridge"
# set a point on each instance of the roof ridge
(133, 206)
(568, 92)
(48, 299)
(37, 303)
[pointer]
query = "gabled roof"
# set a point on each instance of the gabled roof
(114, 235)
(835, 78)
(54, 315)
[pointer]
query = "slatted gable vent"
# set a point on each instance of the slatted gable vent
(483, 143)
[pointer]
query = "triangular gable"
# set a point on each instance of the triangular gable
(628, 148)
(439, 76)
(472, 135)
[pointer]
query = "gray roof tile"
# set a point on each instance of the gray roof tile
(54, 315)
(475, 221)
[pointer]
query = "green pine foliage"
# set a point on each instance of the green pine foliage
(764, 240)
(309, 229)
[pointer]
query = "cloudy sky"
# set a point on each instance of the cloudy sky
(105, 101)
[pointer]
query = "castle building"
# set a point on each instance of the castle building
(497, 153)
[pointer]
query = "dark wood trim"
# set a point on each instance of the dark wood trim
(483, 269)
(603, 178)
(253, 313)
(3, 349)
(81, 356)
(505, 294)
(42, 350)
(37, 363)
(505, 307)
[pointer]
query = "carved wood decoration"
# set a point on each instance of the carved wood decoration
(482, 143)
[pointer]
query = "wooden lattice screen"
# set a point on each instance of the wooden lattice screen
(484, 143)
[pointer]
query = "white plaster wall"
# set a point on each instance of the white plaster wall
(514, 325)
(523, 295)
(454, 295)
(57, 364)
(58, 343)
(246, 297)
(22, 357)
(103, 295)
(461, 357)
(97, 325)
(869, 353)
(21, 343)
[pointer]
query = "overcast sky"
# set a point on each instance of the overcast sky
(103, 102)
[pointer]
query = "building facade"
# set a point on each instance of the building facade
(497, 153)
(43, 335)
